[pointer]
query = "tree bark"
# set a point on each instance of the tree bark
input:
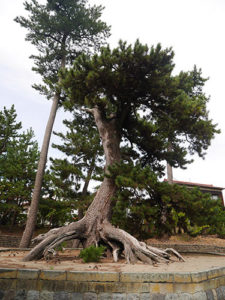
(32, 215)
(95, 227)
(169, 167)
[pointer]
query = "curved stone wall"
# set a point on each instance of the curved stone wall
(34, 284)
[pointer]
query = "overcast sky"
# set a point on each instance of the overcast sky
(195, 30)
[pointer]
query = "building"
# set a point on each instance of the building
(215, 192)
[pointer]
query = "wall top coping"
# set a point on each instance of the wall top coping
(172, 277)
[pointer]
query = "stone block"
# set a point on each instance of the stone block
(27, 274)
(182, 277)
(52, 275)
(220, 292)
(81, 287)
(190, 288)
(32, 295)
(118, 296)
(183, 296)
(161, 288)
(60, 296)
(93, 276)
(210, 295)
(8, 273)
(46, 295)
(90, 296)
(69, 286)
(172, 297)
(137, 287)
(22, 284)
(133, 296)
(221, 281)
(75, 296)
(9, 295)
(146, 277)
(7, 284)
(1, 295)
(105, 296)
(51, 285)
(214, 273)
(144, 296)
(100, 287)
(21, 295)
(199, 276)
(199, 296)
(157, 297)
(211, 284)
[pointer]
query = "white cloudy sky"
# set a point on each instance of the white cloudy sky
(195, 30)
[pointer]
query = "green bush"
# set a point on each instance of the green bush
(92, 253)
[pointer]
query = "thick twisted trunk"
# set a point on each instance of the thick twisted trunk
(95, 227)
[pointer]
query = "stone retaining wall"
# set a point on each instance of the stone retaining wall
(188, 248)
(21, 284)
(9, 241)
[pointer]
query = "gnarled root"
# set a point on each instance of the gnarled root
(53, 238)
(133, 249)
(117, 241)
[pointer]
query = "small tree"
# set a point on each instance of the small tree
(8, 127)
(60, 30)
(139, 107)
(18, 164)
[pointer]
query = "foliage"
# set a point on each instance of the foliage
(60, 30)
(135, 87)
(82, 163)
(54, 209)
(18, 163)
(8, 127)
(92, 253)
(147, 207)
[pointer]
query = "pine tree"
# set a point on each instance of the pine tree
(139, 108)
(60, 30)
(83, 161)
(18, 164)
(8, 127)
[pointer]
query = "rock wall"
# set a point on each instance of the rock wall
(28, 284)
(9, 241)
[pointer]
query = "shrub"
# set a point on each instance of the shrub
(148, 208)
(92, 253)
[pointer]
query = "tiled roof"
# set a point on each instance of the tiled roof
(196, 184)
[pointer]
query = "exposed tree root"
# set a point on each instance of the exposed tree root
(117, 240)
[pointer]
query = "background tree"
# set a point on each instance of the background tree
(8, 127)
(18, 164)
(82, 164)
(139, 106)
(60, 30)
(141, 199)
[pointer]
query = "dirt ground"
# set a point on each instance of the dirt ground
(69, 259)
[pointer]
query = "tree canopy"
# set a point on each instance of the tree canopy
(152, 107)
(61, 30)
(144, 115)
